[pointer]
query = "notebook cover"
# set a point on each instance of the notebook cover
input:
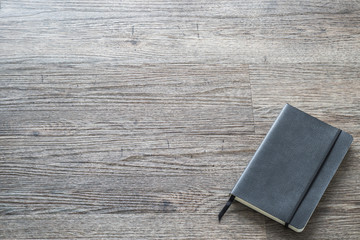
(292, 168)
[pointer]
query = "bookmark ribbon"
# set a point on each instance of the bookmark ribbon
(226, 207)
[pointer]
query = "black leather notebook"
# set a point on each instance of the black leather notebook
(292, 168)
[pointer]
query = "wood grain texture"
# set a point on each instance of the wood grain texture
(130, 226)
(133, 119)
(132, 32)
(123, 143)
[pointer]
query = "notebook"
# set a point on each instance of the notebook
(291, 169)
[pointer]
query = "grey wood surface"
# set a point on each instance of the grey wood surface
(134, 119)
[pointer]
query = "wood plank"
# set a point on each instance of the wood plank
(94, 189)
(133, 226)
(172, 109)
(70, 37)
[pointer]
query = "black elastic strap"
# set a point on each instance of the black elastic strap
(225, 208)
(313, 178)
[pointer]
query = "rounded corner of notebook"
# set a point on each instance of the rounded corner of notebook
(298, 227)
(298, 230)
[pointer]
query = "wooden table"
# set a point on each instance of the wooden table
(134, 119)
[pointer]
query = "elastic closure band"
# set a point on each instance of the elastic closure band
(312, 180)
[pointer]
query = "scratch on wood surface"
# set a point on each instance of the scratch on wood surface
(197, 29)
